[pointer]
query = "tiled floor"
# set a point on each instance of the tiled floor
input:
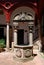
(6, 58)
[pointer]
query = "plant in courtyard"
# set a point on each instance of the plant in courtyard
(2, 43)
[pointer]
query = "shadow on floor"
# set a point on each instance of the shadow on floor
(34, 55)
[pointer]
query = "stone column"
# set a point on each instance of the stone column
(7, 37)
(30, 38)
(40, 38)
(15, 24)
(31, 33)
(15, 37)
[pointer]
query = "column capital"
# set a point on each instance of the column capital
(15, 30)
(31, 31)
(7, 23)
(15, 24)
(31, 25)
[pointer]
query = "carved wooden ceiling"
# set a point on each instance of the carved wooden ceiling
(40, 3)
(19, 1)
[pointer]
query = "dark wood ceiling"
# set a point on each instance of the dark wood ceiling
(39, 2)
(19, 1)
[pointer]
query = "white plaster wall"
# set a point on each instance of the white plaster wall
(2, 19)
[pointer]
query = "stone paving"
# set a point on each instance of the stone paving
(6, 58)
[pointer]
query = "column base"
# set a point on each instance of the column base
(23, 53)
(7, 49)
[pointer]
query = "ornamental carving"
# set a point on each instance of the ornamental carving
(28, 53)
(18, 53)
